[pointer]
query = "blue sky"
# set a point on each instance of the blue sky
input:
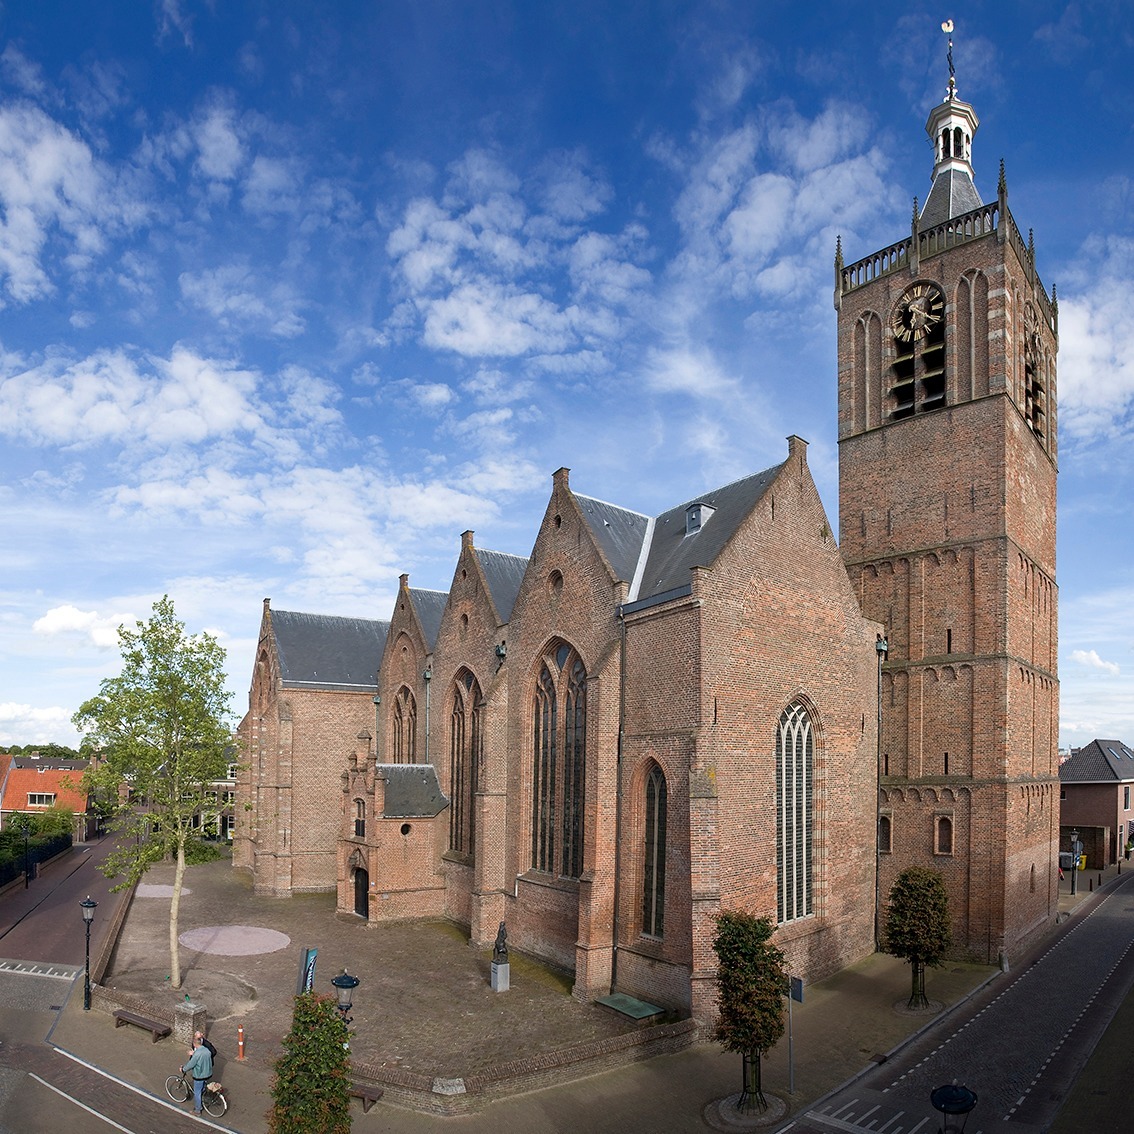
(293, 294)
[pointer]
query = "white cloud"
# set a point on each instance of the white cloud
(30, 724)
(1091, 659)
(99, 630)
(489, 320)
(50, 183)
(220, 151)
(1096, 342)
(112, 396)
(234, 296)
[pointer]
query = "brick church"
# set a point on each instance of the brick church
(651, 719)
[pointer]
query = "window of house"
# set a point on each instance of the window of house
(464, 758)
(794, 818)
(360, 819)
(653, 897)
(944, 835)
(230, 773)
(885, 834)
(41, 799)
(559, 765)
(1126, 799)
(405, 727)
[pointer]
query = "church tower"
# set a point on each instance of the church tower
(947, 468)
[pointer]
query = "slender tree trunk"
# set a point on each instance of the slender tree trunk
(752, 1096)
(918, 998)
(174, 911)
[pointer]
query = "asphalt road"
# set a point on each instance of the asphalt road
(44, 922)
(1020, 1048)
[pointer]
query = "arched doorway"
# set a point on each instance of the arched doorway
(362, 893)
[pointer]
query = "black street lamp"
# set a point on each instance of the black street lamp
(88, 906)
(1076, 850)
(953, 1100)
(345, 984)
(27, 864)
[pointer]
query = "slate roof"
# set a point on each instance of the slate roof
(412, 791)
(672, 553)
(504, 574)
(953, 194)
(1100, 762)
(430, 605)
(618, 531)
(327, 651)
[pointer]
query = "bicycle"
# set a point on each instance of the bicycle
(180, 1090)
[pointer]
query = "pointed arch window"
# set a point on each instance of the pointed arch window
(405, 727)
(794, 814)
(653, 896)
(359, 819)
(464, 761)
(559, 765)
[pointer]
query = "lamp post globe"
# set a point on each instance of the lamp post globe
(87, 905)
(345, 984)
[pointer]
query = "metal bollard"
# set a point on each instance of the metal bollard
(1090, 885)
(240, 1042)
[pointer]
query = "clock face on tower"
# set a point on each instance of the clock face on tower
(918, 311)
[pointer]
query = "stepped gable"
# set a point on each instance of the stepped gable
(327, 651)
(503, 573)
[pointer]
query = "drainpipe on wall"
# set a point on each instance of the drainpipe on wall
(427, 676)
(881, 648)
(618, 795)
(377, 726)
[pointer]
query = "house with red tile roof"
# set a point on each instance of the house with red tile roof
(32, 784)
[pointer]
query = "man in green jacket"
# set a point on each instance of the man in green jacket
(200, 1066)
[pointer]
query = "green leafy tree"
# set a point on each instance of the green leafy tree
(751, 983)
(163, 731)
(55, 821)
(311, 1085)
(917, 925)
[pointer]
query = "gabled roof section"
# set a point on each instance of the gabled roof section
(429, 606)
(504, 573)
(619, 532)
(1100, 762)
(412, 791)
(673, 552)
(326, 651)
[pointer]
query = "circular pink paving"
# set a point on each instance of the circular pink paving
(234, 940)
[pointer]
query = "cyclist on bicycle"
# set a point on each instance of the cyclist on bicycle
(200, 1066)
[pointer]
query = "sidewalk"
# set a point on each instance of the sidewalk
(424, 1005)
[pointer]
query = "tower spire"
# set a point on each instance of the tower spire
(951, 126)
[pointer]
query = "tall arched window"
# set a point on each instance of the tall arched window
(794, 758)
(653, 894)
(464, 758)
(359, 819)
(405, 727)
(559, 765)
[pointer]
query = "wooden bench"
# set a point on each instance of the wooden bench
(369, 1094)
(158, 1029)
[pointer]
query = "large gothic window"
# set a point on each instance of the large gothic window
(559, 765)
(794, 816)
(917, 374)
(405, 727)
(464, 758)
(653, 896)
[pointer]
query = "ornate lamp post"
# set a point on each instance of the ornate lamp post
(345, 984)
(88, 906)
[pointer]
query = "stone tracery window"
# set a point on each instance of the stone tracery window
(464, 760)
(794, 814)
(405, 727)
(559, 765)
